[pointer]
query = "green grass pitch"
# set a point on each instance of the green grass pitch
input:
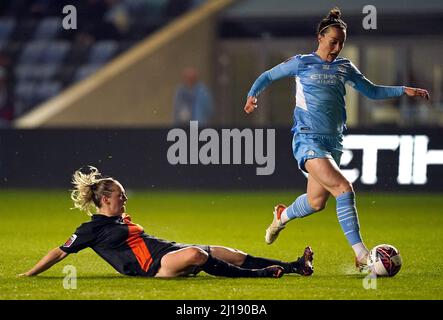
(35, 221)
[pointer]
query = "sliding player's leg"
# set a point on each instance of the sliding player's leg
(302, 265)
(191, 260)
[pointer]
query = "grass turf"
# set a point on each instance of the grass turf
(35, 221)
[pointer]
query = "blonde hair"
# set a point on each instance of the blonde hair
(89, 188)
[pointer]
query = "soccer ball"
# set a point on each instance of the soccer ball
(384, 260)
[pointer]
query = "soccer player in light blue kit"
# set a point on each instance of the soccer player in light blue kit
(319, 121)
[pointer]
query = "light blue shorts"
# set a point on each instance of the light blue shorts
(310, 146)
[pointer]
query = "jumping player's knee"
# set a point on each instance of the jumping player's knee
(197, 256)
(343, 187)
(347, 187)
(318, 204)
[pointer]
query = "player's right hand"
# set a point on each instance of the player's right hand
(251, 104)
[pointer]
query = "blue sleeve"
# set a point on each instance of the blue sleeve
(359, 82)
(285, 69)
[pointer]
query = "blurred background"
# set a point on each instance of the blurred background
(104, 83)
(101, 83)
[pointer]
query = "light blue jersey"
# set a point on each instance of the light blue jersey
(320, 91)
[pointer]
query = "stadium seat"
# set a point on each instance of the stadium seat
(48, 28)
(6, 27)
(23, 95)
(45, 71)
(24, 71)
(36, 71)
(78, 53)
(55, 52)
(44, 57)
(24, 29)
(85, 71)
(102, 51)
(24, 89)
(29, 93)
(46, 90)
(33, 51)
(152, 8)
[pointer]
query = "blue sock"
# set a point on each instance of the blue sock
(347, 217)
(300, 208)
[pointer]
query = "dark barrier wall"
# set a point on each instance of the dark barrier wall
(396, 160)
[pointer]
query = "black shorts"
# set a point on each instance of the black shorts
(164, 247)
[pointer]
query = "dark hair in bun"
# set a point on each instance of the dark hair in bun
(335, 13)
(332, 19)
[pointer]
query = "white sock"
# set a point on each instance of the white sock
(284, 217)
(360, 250)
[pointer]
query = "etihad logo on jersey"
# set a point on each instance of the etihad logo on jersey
(70, 241)
(325, 78)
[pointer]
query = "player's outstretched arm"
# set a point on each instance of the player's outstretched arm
(285, 69)
(53, 256)
(251, 104)
(417, 92)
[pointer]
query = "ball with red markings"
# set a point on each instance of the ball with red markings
(384, 260)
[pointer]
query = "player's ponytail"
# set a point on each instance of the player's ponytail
(332, 19)
(89, 189)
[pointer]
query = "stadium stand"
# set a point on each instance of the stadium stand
(39, 58)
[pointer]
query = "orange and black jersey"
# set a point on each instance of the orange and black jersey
(123, 244)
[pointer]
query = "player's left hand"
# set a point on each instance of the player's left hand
(22, 275)
(414, 92)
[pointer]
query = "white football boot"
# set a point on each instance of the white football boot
(276, 225)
